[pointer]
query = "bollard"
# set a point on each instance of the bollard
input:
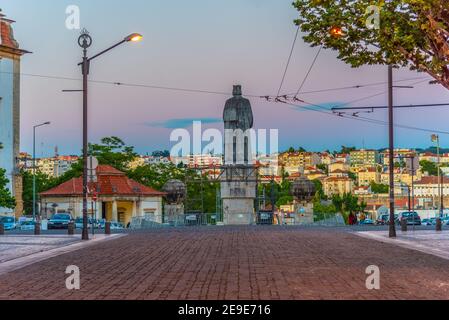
(37, 229)
(71, 229)
(107, 228)
(2, 229)
(439, 225)
(404, 225)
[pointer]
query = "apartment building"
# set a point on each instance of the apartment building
(364, 157)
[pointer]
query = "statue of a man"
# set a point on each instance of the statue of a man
(238, 113)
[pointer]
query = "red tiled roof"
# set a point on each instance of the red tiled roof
(432, 180)
(110, 181)
(7, 39)
(339, 171)
(105, 170)
(331, 179)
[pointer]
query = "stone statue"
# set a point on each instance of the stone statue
(238, 113)
(238, 181)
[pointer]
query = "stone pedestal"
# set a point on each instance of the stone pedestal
(304, 213)
(174, 213)
(238, 192)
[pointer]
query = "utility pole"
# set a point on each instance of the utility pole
(34, 167)
(436, 138)
(85, 42)
(392, 229)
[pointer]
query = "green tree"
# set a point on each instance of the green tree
(111, 151)
(6, 199)
(348, 204)
(114, 152)
(156, 175)
(323, 167)
(379, 188)
(412, 33)
(319, 190)
(158, 153)
(201, 190)
(43, 183)
(347, 150)
(284, 200)
(429, 167)
(352, 176)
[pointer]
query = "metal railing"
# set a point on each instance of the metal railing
(261, 219)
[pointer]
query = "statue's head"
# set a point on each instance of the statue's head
(237, 92)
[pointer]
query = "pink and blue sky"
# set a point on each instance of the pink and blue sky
(198, 44)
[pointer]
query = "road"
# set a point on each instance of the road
(234, 263)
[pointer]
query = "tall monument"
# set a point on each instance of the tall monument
(238, 182)
(10, 55)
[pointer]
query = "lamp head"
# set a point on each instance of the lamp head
(337, 32)
(134, 37)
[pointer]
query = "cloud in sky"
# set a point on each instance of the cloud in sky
(181, 123)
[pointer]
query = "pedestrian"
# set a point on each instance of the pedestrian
(351, 219)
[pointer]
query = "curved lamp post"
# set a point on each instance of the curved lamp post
(85, 41)
(34, 166)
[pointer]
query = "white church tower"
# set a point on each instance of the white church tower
(10, 55)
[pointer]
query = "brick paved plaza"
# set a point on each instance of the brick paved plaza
(234, 263)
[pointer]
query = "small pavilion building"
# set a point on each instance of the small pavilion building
(113, 196)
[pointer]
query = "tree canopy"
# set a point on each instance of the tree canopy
(6, 199)
(412, 33)
(429, 167)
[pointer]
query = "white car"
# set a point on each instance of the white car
(27, 226)
(117, 226)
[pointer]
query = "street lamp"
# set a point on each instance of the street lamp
(436, 139)
(34, 166)
(85, 41)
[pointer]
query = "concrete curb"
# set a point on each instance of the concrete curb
(407, 244)
(25, 261)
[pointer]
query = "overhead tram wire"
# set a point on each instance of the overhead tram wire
(362, 119)
(359, 86)
(308, 72)
(156, 87)
(288, 61)
(323, 110)
(378, 94)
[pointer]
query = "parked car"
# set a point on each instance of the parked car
(27, 226)
(9, 223)
(90, 222)
(426, 222)
(101, 224)
(367, 222)
(396, 219)
(382, 220)
(117, 226)
(60, 221)
(412, 218)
